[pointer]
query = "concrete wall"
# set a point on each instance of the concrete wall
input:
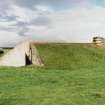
(17, 56)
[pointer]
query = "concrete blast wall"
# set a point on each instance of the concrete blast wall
(20, 54)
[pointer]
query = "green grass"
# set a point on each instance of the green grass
(71, 56)
(74, 74)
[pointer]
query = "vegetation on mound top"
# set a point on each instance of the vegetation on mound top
(71, 56)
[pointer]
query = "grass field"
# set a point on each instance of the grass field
(74, 74)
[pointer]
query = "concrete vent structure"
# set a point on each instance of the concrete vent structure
(23, 54)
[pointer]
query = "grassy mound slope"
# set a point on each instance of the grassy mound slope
(74, 74)
(71, 56)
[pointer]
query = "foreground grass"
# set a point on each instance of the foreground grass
(63, 80)
(27, 86)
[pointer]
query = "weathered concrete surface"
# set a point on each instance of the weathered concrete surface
(19, 55)
(36, 59)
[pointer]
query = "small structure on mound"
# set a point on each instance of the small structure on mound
(100, 41)
(23, 54)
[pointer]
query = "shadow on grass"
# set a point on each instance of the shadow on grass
(14, 101)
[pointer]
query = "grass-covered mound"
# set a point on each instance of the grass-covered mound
(71, 56)
(74, 74)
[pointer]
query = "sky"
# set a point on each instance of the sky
(51, 20)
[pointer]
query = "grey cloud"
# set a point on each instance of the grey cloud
(55, 4)
(23, 31)
(7, 18)
(10, 18)
(21, 24)
(41, 21)
(6, 29)
(4, 6)
(21, 28)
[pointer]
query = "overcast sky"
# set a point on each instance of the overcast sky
(51, 20)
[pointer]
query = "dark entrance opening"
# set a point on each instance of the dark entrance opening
(28, 61)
